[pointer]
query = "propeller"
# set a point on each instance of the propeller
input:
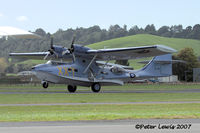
(71, 49)
(51, 50)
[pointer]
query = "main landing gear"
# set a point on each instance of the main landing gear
(45, 84)
(71, 88)
(96, 87)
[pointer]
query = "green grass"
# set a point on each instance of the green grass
(146, 39)
(64, 97)
(91, 98)
(98, 112)
(32, 62)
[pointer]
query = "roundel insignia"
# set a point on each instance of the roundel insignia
(132, 75)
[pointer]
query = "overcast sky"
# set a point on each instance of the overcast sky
(54, 14)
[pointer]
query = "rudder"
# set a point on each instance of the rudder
(159, 66)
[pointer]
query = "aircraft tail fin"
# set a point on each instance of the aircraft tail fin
(159, 66)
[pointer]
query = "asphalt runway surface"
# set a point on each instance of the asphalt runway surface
(115, 126)
(106, 91)
(117, 103)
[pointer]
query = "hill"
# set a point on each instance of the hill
(146, 39)
(139, 40)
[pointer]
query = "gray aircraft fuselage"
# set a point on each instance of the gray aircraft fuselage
(75, 70)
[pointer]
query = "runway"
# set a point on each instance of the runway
(115, 126)
(102, 91)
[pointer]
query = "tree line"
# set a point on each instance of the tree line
(91, 35)
(86, 36)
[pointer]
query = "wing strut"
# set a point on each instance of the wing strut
(103, 67)
(90, 63)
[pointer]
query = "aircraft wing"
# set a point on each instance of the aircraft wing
(39, 56)
(34, 55)
(130, 52)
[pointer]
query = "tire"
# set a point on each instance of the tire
(45, 84)
(71, 88)
(96, 87)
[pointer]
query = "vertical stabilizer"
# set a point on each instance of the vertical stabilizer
(159, 66)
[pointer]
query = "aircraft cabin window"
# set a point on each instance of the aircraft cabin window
(75, 70)
(69, 69)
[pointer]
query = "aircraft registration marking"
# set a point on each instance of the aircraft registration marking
(60, 71)
(66, 71)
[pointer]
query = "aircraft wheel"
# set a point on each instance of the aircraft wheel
(45, 84)
(96, 87)
(71, 88)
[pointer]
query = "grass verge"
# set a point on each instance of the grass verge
(98, 112)
(93, 97)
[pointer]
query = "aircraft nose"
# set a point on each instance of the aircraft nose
(33, 68)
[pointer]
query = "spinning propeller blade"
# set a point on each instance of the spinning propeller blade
(51, 50)
(71, 49)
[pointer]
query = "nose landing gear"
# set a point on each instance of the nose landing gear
(45, 84)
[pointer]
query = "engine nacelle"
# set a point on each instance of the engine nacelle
(59, 50)
(80, 49)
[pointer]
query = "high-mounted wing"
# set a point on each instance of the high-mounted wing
(34, 55)
(130, 52)
(40, 56)
(101, 54)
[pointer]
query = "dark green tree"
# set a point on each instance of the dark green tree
(150, 29)
(180, 69)
(196, 32)
(134, 30)
(177, 31)
(164, 31)
(116, 31)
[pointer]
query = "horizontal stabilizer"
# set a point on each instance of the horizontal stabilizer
(163, 61)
